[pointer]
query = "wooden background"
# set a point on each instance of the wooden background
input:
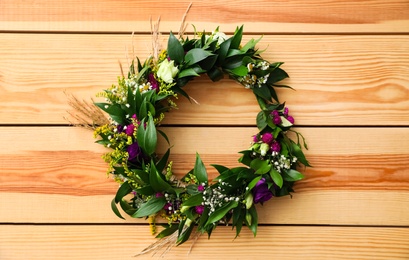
(349, 64)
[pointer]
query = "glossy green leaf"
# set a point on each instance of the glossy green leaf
(261, 120)
(114, 110)
(253, 183)
(260, 166)
(293, 175)
(194, 200)
(157, 182)
(277, 178)
(150, 137)
(240, 71)
(115, 209)
(195, 55)
(190, 72)
(236, 39)
(124, 190)
(296, 150)
(199, 170)
(163, 162)
(254, 219)
(221, 212)
(168, 231)
(175, 49)
(150, 207)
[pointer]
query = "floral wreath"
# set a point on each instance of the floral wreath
(136, 106)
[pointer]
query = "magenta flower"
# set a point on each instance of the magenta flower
(199, 209)
(267, 138)
(277, 120)
(261, 193)
(285, 112)
(134, 151)
(200, 188)
(130, 129)
(255, 138)
(276, 147)
(290, 119)
(154, 83)
(158, 195)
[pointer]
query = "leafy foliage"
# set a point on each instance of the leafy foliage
(138, 103)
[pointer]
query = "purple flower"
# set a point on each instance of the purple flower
(134, 116)
(275, 113)
(285, 112)
(261, 193)
(130, 129)
(255, 138)
(267, 138)
(168, 208)
(277, 120)
(153, 81)
(120, 128)
(158, 195)
(200, 188)
(199, 209)
(276, 147)
(134, 151)
(290, 119)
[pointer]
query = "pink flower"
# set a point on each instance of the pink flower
(200, 188)
(130, 129)
(290, 119)
(267, 138)
(276, 147)
(277, 120)
(199, 209)
(153, 81)
(255, 138)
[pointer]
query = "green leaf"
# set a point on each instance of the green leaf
(124, 190)
(215, 74)
(175, 49)
(195, 55)
(114, 110)
(115, 209)
(221, 212)
(251, 44)
(185, 235)
(277, 178)
(157, 182)
(296, 150)
(190, 72)
(163, 135)
(276, 75)
(254, 219)
(261, 120)
(236, 39)
(146, 190)
(150, 207)
(199, 170)
(240, 71)
(168, 231)
(254, 182)
(293, 175)
(220, 168)
(223, 50)
(194, 200)
(150, 137)
(260, 166)
(160, 166)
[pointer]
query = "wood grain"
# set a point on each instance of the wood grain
(61, 167)
(122, 242)
(339, 80)
(261, 16)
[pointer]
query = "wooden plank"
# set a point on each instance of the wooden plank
(315, 207)
(265, 16)
(61, 167)
(339, 80)
(286, 242)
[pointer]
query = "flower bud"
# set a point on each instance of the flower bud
(264, 149)
(249, 200)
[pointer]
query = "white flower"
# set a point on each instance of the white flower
(167, 71)
(220, 37)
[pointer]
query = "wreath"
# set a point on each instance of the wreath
(137, 104)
